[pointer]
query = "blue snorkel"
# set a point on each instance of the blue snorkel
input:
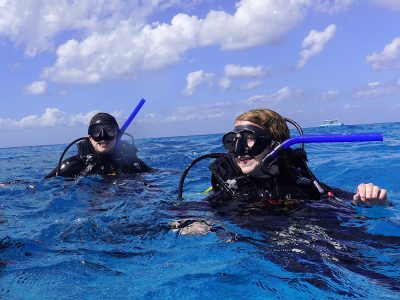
(132, 116)
(267, 161)
(322, 138)
(128, 122)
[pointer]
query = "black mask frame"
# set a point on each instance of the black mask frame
(246, 140)
(103, 131)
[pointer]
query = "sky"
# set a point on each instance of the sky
(198, 64)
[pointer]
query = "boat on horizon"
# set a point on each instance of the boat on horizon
(333, 122)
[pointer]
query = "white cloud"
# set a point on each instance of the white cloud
(81, 119)
(254, 99)
(285, 93)
(390, 4)
(34, 24)
(351, 107)
(331, 94)
(282, 94)
(195, 79)
(374, 84)
(126, 48)
(250, 85)
(149, 118)
(236, 71)
(125, 51)
(254, 23)
(51, 117)
(389, 58)
(315, 43)
(62, 93)
(199, 113)
(347, 106)
(36, 88)
(233, 71)
(374, 89)
(225, 83)
(333, 6)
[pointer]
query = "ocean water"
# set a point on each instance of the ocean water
(112, 239)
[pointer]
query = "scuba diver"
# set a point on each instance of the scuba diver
(102, 152)
(249, 173)
(268, 189)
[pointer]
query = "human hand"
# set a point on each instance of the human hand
(370, 194)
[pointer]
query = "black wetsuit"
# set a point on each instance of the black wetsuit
(291, 183)
(89, 162)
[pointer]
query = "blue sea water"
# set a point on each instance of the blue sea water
(112, 239)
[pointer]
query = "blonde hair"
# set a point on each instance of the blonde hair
(271, 121)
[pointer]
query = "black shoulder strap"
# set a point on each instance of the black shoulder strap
(228, 177)
(298, 158)
(84, 148)
(87, 155)
(224, 169)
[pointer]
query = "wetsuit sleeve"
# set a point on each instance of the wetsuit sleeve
(338, 193)
(71, 167)
(143, 166)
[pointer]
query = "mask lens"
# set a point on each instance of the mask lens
(97, 129)
(249, 138)
(110, 130)
(229, 141)
(94, 130)
(246, 140)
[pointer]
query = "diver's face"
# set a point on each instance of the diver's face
(103, 146)
(250, 164)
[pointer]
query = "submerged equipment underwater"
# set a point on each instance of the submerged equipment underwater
(103, 131)
(302, 139)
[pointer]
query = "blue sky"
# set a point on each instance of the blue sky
(198, 63)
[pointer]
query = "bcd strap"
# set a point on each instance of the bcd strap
(84, 148)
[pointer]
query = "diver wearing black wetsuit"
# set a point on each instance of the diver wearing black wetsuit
(102, 152)
(246, 175)
(289, 182)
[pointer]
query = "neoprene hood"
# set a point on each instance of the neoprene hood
(103, 118)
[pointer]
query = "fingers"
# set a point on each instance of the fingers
(383, 194)
(371, 194)
(364, 191)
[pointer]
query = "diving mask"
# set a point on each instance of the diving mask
(100, 132)
(246, 140)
